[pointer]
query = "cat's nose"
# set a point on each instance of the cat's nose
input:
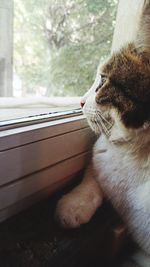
(82, 103)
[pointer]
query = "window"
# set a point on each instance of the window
(56, 47)
(37, 158)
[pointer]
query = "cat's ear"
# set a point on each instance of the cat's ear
(143, 34)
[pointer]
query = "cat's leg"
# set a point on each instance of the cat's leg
(78, 206)
(138, 259)
(130, 264)
(142, 259)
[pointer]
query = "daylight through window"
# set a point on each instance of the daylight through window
(56, 47)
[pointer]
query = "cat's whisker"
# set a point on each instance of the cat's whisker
(103, 125)
(99, 112)
(103, 119)
(100, 121)
(107, 132)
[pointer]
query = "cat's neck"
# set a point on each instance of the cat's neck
(138, 144)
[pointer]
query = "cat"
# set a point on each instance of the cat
(117, 108)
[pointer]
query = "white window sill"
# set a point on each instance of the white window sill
(13, 108)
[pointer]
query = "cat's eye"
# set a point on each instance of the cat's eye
(103, 100)
(103, 80)
(103, 77)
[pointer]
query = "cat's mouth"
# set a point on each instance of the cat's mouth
(98, 122)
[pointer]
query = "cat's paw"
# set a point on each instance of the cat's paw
(75, 209)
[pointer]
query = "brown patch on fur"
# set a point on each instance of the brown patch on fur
(127, 86)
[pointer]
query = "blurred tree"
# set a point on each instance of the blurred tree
(58, 44)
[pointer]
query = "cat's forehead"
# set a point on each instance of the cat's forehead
(124, 61)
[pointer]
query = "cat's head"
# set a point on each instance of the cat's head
(118, 103)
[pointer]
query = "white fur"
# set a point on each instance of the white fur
(122, 164)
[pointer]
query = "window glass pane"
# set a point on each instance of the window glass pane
(57, 46)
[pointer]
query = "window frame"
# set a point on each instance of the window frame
(38, 155)
(37, 119)
(6, 47)
(38, 159)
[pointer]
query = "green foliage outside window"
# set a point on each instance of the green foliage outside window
(58, 44)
